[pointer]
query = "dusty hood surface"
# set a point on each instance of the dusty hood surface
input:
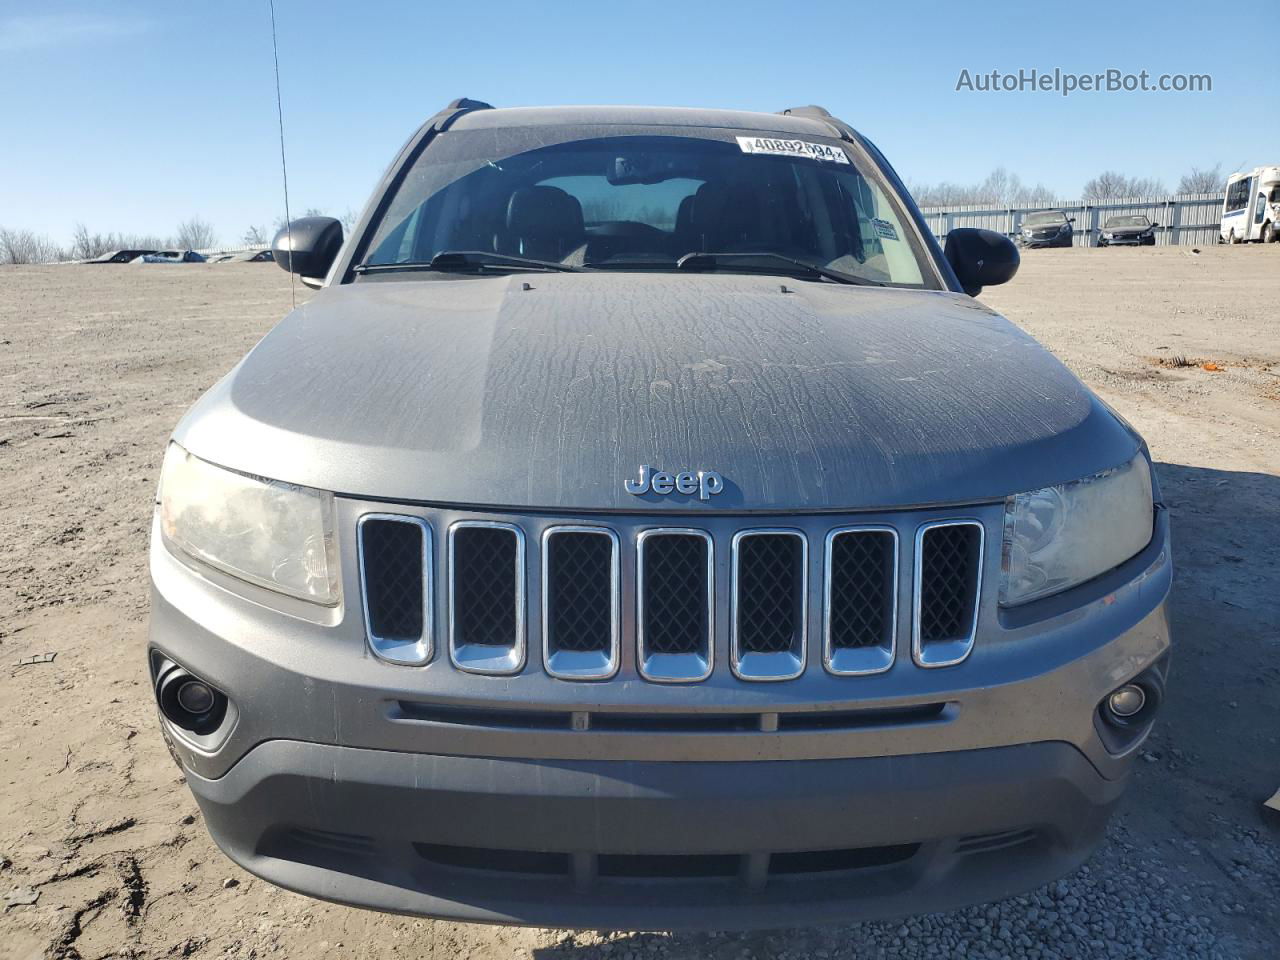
(480, 392)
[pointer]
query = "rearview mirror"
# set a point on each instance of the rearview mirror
(981, 258)
(308, 246)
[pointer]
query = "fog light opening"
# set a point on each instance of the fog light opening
(1127, 702)
(189, 702)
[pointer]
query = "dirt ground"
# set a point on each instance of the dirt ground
(98, 362)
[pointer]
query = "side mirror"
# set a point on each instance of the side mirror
(1071, 219)
(308, 246)
(981, 258)
(1154, 225)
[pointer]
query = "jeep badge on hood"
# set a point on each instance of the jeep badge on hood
(705, 483)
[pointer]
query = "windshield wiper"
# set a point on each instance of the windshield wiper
(712, 261)
(476, 260)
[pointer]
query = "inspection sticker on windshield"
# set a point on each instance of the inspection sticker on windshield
(792, 148)
(885, 229)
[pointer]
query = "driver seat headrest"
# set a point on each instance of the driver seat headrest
(544, 223)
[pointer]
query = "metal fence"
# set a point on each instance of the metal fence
(1188, 219)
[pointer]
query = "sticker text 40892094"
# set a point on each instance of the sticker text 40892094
(775, 146)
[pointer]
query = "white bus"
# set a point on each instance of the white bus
(1251, 210)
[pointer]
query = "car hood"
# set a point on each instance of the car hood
(550, 390)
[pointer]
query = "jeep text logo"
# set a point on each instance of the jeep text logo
(705, 483)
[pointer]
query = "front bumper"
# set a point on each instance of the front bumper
(347, 778)
(1134, 241)
(1054, 241)
(643, 845)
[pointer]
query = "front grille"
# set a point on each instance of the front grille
(486, 596)
(395, 569)
(676, 596)
(948, 574)
(769, 596)
(764, 587)
(580, 601)
(861, 600)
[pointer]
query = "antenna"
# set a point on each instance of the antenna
(284, 168)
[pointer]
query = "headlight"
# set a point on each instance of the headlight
(1026, 231)
(273, 534)
(1063, 229)
(1061, 536)
(1106, 236)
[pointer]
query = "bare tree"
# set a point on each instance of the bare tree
(23, 246)
(349, 220)
(1001, 187)
(1106, 184)
(1110, 185)
(1202, 180)
(254, 237)
(86, 245)
(195, 234)
(1146, 187)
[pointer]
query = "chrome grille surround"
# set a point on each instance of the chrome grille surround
(675, 667)
(953, 650)
(576, 664)
(487, 658)
(773, 665)
(406, 651)
(873, 658)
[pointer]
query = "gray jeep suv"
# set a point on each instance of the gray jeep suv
(645, 527)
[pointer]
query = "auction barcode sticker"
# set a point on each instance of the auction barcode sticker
(792, 148)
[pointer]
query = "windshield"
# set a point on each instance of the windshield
(1128, 222)
(1040, 219)
(642, 202)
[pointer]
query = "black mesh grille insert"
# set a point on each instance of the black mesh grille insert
(579, 591)
(393, 578)
(948, 582)
(484, 586)
(770, 604)
(675, 594)
(861, 589)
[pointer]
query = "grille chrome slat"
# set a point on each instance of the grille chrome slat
(395, 558)
(487, 597)
(581, 602)
(675, 604)
(860, 600)
(769, 600)
(948, 589)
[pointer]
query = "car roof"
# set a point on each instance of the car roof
(644, 116)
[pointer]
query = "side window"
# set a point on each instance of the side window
(1238, 194)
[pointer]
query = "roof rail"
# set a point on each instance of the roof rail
(812, 110)
(465, 103)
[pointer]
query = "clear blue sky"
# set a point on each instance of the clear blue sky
(133, 116)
